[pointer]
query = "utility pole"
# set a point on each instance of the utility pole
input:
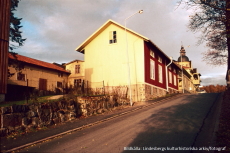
(5, 6)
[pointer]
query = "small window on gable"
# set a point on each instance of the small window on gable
(112, 37)
(159, 59)
(151, 53)
(170, 67)
(174, 70)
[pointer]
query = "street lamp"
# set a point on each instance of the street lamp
(129, 79)
(166, 72)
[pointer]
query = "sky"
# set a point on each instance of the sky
(55, 28)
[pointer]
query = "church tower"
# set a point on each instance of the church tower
(183, 59)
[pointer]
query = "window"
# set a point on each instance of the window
(59, 84)
(42, 84)
(152, 70)
(151, 53)
(170, 77)
(160, 73)
(175, 82)
(77, 69)
(60, 75)
(112, 37)
(174, 70)
(21, 77)
(159, 59)
(77, 82)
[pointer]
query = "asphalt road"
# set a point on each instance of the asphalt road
(177, 125)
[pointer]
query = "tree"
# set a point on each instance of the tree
(15, 37)
(214, 89)
(15, 25)
(212, 18)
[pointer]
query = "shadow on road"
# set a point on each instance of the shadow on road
(175, 126)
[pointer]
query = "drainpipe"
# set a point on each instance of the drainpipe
(166, 71)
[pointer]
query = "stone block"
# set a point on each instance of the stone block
(72, 115)
(35, 121)
(99, 111)
(19, 108)
(45, 106)
(56, 120)
(12, 120)
(55, 106)
(62, 105)
(32, 113)
(26, 121)
(5, 110)
(71, 107)
(45, 116)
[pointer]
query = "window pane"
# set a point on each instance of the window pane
(152, 70)
(170, 77)
(160, 73)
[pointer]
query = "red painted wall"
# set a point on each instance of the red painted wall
(173, 74)
(147, 47)
(157, 53)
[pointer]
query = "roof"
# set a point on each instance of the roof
(103, 27)
(184, 58)
(73, 62)
(36, 62)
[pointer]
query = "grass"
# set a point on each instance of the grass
(22, 102)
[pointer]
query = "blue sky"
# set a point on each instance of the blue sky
(54, 28)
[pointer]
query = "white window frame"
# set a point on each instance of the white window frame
(175, 81)
(112, 37)
(170, 77)
(160, 74)
(152, 69)
(159, 59)
(77, 69)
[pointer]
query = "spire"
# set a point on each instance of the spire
(182, 51)
(183, 57)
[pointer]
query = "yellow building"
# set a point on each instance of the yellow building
(191, 77)
(35, 74)
(77, 73)
(124, 59)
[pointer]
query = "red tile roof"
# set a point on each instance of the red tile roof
(36, 62)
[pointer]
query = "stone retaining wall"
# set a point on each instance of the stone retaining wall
(25, 117)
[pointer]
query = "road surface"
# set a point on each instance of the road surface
(178, 125)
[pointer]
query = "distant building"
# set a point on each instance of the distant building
(77, 73)
(36, 74)
(191, 77)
